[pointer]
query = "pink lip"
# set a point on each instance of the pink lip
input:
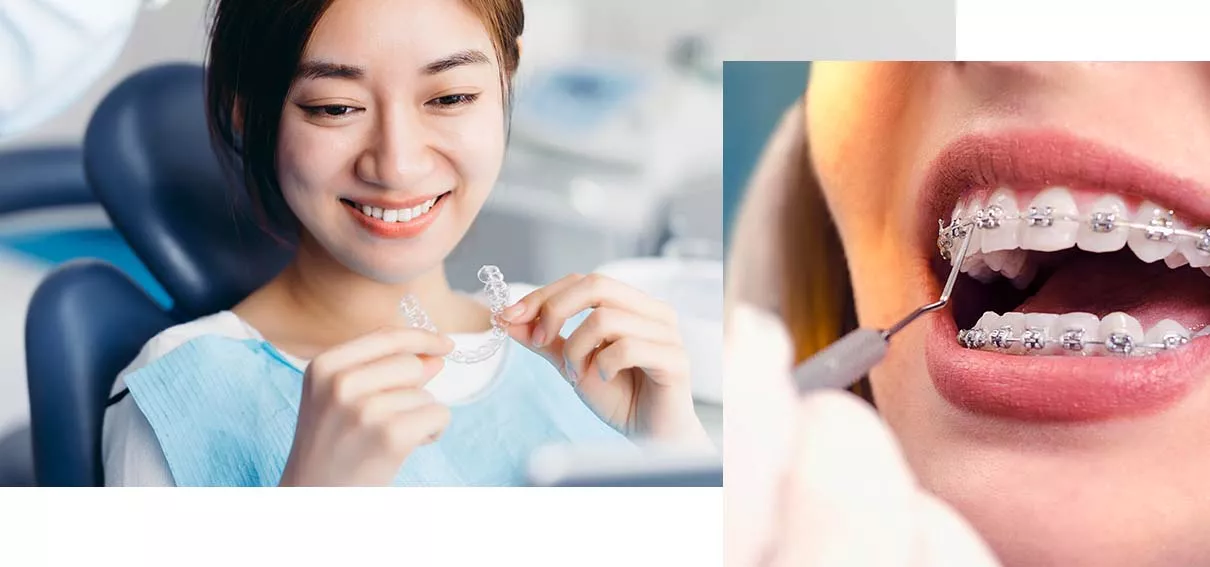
(388, 204)
(1057, 388)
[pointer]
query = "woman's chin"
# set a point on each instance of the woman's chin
(1125, 491)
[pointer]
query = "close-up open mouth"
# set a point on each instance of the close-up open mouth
(1083, 290)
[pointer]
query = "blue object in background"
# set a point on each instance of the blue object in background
(57, 246)
(755, 95)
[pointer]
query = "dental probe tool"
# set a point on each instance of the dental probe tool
(847, 360)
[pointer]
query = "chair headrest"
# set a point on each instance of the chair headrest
(148, 157)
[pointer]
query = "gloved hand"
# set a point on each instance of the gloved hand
(819, 481)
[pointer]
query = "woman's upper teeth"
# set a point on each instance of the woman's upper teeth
(1004, 228)
(398, 215)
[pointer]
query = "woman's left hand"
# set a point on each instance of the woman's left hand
(626, 359)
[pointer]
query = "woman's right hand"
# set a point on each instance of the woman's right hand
(364, 409)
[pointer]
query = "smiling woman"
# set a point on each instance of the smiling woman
(371, 132)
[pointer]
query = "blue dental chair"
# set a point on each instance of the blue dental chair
(148, 158)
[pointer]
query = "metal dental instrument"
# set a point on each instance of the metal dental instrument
(847, 360)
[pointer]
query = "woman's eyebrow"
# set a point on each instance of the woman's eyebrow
(466, 57)
(326, 70)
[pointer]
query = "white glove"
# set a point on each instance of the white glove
(819, 481)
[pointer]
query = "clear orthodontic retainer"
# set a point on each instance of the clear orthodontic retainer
(1160, 228)
(497, 293)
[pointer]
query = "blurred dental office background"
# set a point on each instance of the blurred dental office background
(614, 164)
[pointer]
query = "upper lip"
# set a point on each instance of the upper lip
(1041, 158)
(408, 203)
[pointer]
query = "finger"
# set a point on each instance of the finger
(758, 425)
(386, 405)
(420, 426)
(526, 309)
(847, 483)
(596, 291)
(387, 373)
(378, 344)
(607, 325)
(667, 365)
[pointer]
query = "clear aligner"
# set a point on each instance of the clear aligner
(1071, 340)
(497, 293)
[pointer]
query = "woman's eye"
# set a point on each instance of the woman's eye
(449, 101)
(329, 110)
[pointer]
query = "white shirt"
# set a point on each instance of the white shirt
(131, 452)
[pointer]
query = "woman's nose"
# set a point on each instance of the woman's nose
(401, 155)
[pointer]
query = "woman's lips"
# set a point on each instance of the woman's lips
(1058, 388)
(409, 229)
(1051, 388)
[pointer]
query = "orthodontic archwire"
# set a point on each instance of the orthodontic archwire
(847, 360)
(1160, 228)
(497, 293)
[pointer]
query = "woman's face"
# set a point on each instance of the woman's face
(393, 133)
(1058, 456)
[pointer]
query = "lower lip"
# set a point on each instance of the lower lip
(1058, 388)
(409, 229)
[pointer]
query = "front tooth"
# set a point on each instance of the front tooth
(1197, 250)
(1025, 276)
(1073, 329)
(987, 323)
(1004, 237)
(980, 271)
(995, 260)
(1161, 332)
(1016, 324)
(1121, 332)
(367, 210)
(1013, 263)
(1107, 214)
(1175, 260)
(390, 215)
(1152, 244)
(972, 249)
(377, 212)
(1040, 324)
(1042, 226)
(405, 215)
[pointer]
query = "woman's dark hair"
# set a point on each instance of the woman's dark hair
(255, 48)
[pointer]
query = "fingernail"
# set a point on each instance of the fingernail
(539, 338)
(513, 311)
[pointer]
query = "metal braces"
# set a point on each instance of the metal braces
(1071, 340)
(1161, 227)
(498, 298)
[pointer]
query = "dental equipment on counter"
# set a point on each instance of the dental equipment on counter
(847, 360)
